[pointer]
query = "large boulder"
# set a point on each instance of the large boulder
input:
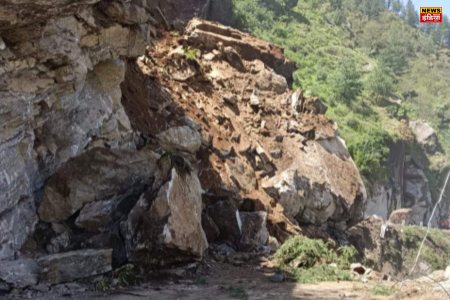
(401, 216)
(182, 138)
(66, 267)
(166, 228)
(96, 175)
(283, 188)
(321, 185)
(425, 135)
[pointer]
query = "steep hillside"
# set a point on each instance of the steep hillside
(385, 80)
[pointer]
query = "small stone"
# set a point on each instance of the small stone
(277, 278)
(273, 244)
(209, 56)
(333, 265)
(447, 272)
(236, 138)
(230, 98)
(275, 153)
(225, 249)
(254, 100)
(279, 139)
(2, 44)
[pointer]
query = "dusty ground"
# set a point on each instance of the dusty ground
(222, 281)
(230, 283)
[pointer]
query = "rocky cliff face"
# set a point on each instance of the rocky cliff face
(407, 187)
(107, 159)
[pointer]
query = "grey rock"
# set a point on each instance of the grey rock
(42, 288)
(277, 278)
(284, 189)
(181, 138)
(20, 273)
(254, 230)
(425, 135)
(59, 243)
(227, 218)
(66, 267)
(4, 287)
(191, 123)
(167, 229)
(275, 153)
(95, 175)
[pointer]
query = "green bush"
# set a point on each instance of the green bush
(345, 82)
(313, 257)
(370, 154)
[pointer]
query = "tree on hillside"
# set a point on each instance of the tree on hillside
(345, 84)
(442, 32)
(380, 83)
(372, 8)
(395, 54)
(412, 16)
(397, 6)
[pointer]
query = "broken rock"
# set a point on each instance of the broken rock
(283, 188)
(167, 229)
(66, 267)
(95, 175)
(401, 216)
(234, 59)
(20, 273)
(181, 138)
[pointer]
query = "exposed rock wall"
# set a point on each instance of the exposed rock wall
(407, 187)
(61, 64)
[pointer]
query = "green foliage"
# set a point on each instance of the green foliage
(102, 285)
(237, 293)
(191, 54)
(309, 251)
(436, 251)
(312, 257)
(380, 290)
(370, 154)
(412, 16)
(380, 83)
(129, 276)
(347, 253)
(321, 273)
(345, 83)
